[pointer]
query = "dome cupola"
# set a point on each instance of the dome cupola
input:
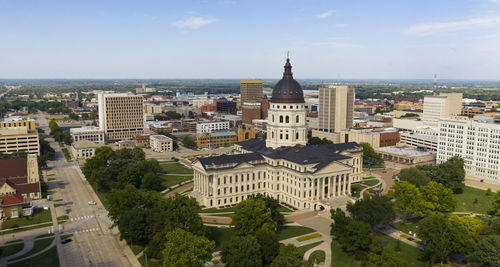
(287, 90)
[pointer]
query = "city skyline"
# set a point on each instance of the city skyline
(243, 39)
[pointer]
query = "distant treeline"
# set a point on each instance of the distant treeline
(382, 89)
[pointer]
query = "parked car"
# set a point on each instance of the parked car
(67, 240)
(92, 202)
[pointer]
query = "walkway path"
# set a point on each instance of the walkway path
(54, 242)
(325, 246)
(180, 189)
(396, 234)
(380, 181)
(386, 175)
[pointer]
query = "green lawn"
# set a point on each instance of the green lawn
(15, 230)
(65, 236)
(151, 263)
(14, 241)
(370, 182)
(170, 180)
(43, 236)
(51, 179)
(341, 258)
(175, 168)
(406, 227)
(284, 209)
(39, 245)
(286, 232)
(63, 217)
(308, 247)
(47, 259)
(41, 216)
(11, 249)
(318, 255)
(214, 210)
(408, 253)
(356, 189)
(219, 235)
(465, 201)
(66, 154)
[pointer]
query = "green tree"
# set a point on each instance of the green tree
(438, 198)
(374, 210)
(182, 248)
(486, 251)
(188, 142)
(442, 237)
(472, 225)
(414, 175)
(340, 222)
(318, 141)
(285, 261)
(152, 181)
(273, 205)
(250, 216)
(133, 226)
(451, 174)
(370, 156)
(408, 198)
(356, 236)
(269, 245)
(290, 250)
(387, 259)
(242, 251)
(496, 203)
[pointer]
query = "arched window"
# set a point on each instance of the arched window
(297, 119)
(287, 119)
(281, 118)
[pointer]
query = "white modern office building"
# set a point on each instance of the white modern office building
(441, 106)
(89, 133)
(211, 126)
(421, 136)
(477, 141)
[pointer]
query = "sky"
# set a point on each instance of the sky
(326, 39)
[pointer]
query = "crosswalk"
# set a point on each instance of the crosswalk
(81, 218)
(84, 231)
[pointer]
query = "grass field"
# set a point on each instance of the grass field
(411, 225)
(340, 258)
(318, 255)
(310, 246)
(16, 230)
(151, 263)
(11, 249)
(214, 210)
(465, 201)
(408, 253)
(171, 180)
(39, 245)
(356, 189)
(47, 259)
(175, 168)
(41, 216)
(219, 235)
(286, 232)
(371, 182)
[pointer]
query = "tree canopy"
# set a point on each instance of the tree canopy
(370, 156)
(485, 252)
(252, 215)
(387, 259)
(352, 234)
(242, 251)
(182, 248)
(374, 210)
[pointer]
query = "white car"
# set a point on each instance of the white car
(92, 202)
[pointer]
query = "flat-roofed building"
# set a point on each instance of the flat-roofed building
(161, 143)
(121, 116)
(89, 133)
(441, 106)
(18, 122)
(211, 126)
(251, 90)
(477, 141)
(422, 137)
(336, 108)
(15, 139)
(214, 140)
(406, 155)
(83, 149)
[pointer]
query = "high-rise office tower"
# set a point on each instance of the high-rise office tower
(336, 108)
(441, 106)
(251, 90)
(121, 116)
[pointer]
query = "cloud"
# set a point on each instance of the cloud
(193, 23)
(451, 26)
(325, 15)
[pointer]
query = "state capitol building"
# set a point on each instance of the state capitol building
(282, 166)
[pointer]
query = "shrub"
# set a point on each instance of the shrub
(307, 237)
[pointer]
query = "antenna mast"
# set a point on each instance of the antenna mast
(435, 84)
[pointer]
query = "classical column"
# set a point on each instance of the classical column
(322, 187)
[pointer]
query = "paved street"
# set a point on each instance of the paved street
(93, 241)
